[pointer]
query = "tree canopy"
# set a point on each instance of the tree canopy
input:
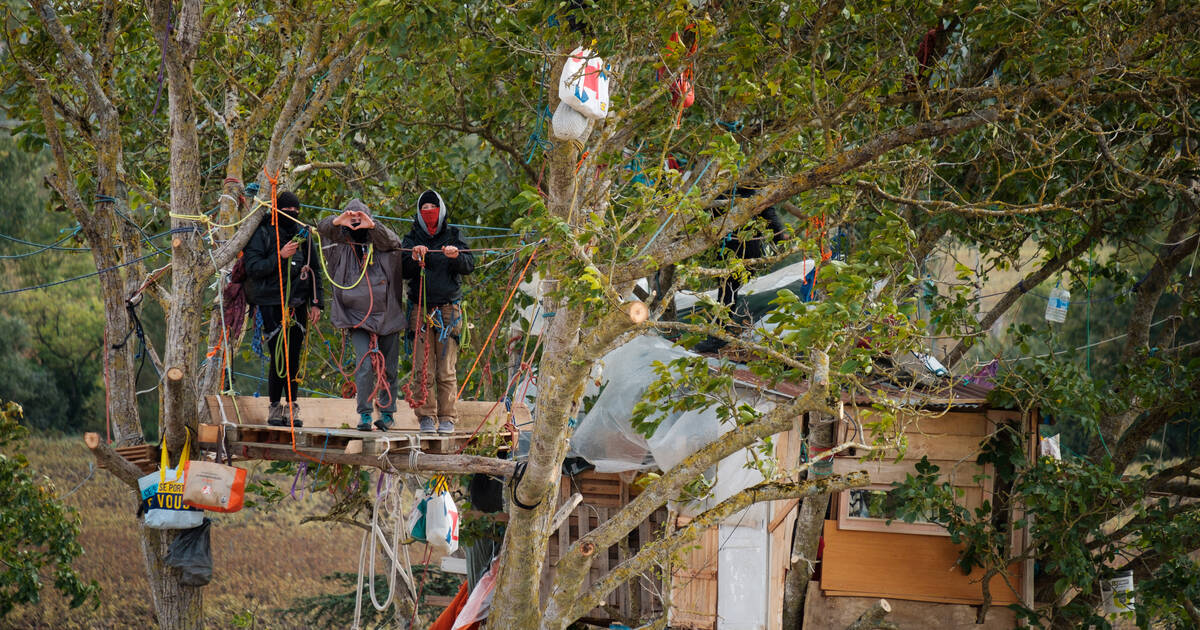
(911, 129)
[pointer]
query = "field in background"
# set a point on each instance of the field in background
(261, 561)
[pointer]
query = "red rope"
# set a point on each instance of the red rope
(423, 335)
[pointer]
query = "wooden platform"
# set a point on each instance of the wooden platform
(329, 426)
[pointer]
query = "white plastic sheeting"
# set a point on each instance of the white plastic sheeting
(605, 437)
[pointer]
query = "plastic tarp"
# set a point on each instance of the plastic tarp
(605, 437)
(758, 291)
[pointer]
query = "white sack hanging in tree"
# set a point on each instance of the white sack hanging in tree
(584, 84)
(568, 124)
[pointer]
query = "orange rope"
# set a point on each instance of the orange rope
(287, 361)
(496, 326)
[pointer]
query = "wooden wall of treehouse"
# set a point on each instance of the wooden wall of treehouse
(865, 556)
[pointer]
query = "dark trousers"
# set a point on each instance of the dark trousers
(365, 378)
(278, 375)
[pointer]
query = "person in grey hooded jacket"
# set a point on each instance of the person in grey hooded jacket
(362, 259)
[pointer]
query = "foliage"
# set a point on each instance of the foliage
(37, 533)
(1067, 128)
(1082, 517)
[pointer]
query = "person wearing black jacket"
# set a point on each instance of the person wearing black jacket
(282, 268)
(439, 258)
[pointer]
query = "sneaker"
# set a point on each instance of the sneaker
(428, 424)
(364, 422)
(275, 415)
(385, 421)
(446, 427)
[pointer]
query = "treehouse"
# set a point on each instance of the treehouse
(734, 577)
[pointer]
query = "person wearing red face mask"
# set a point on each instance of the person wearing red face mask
(437, 261)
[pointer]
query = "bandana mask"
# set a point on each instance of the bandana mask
(430, 217)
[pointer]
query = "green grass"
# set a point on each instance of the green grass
(262, 561)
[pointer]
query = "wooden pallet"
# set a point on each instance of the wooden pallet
(144, 456)
(340, 413)
(318, 440)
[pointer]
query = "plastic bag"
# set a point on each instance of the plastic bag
(568, 124)
(191, 552)
(417, 518)
(584, 84)
(441, 522)
(162, 496)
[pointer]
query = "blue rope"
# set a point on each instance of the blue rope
(732, 127)
(54, 245)
(87, 275)
(410, 220)
(303, 389)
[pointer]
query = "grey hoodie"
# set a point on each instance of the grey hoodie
(374, 302)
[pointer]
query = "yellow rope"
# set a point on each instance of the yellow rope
(325, 270)
(207, 220)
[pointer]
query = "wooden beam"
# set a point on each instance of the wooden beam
(457, 464)
(109, 459)
(873, 617)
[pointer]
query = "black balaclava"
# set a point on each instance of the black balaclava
(288, 199)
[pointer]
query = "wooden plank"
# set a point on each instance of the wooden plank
(342, 413)
(949, 423)
(778, 559)
(592, 487)
(824, 611)
(694, 585)
(782, 509)
(951, 447)
(904, 566)
(886, 472)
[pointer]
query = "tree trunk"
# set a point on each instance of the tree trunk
(177, 607)
(810, 519)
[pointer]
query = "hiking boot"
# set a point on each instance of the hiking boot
(364, 422)
(428, 424)
(275, 415)
(446, 427)
(385, 421)
(293, 417)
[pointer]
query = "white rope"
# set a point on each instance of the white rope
(390, 501)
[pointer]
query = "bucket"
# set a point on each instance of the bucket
(822, 468)
(1117, 593)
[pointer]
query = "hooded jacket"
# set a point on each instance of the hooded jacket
(441, 273)
(374, 302)
(261, 261)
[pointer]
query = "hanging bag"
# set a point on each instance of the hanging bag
(583, 85)
(213, 486)
(441, 522)
(162, 495)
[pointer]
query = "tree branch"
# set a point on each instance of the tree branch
(658, 550)
(1030, 281)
